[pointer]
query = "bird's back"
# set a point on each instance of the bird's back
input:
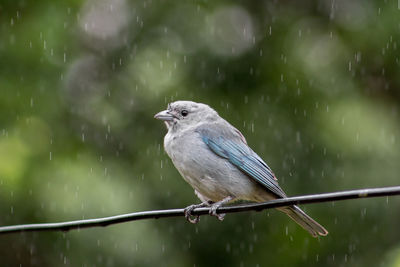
(211, 175)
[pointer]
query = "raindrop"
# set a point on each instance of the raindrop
(363, 212)
(332, 13)
(358, 56)
(228, 248)
(251, 248)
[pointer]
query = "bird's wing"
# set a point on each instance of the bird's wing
(229, 143)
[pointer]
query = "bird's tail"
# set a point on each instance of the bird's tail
(305, 221)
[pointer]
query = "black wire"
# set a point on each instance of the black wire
(155, 214)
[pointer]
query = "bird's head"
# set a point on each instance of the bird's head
(185, 114)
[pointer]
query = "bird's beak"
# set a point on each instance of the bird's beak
(164, 116)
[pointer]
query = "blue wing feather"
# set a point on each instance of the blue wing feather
(238, 153)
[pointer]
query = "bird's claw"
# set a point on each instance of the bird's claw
(188, 214)
(213, 212)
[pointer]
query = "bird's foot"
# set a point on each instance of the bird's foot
(213, 212)
(216, 205)
(188, 212)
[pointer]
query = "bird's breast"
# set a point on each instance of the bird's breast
(209, 174)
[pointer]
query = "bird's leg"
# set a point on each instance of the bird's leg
(188, 211)
(216, 205)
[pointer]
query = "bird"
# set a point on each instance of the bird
(215, 159)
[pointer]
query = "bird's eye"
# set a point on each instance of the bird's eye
(184, 113)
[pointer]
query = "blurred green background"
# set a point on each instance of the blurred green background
(313, 85)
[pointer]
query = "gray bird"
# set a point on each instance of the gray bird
(214, 158)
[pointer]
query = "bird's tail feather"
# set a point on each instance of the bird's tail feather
(305, 221)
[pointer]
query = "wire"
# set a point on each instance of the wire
(156, 214)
